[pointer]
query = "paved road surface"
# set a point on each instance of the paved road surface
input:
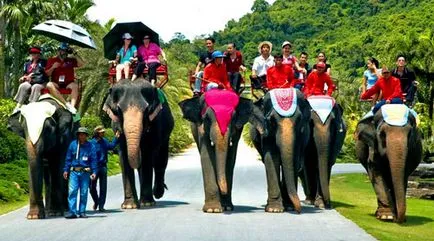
(178, 215)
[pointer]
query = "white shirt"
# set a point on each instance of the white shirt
(260, 65)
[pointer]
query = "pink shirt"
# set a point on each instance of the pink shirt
(149, 54)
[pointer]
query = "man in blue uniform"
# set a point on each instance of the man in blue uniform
(102, 146)
(80, 167)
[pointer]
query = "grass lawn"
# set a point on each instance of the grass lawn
(11, 206)
(355, 199)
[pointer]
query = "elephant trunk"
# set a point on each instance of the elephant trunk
(221, 149)
(322, 142)
(286, 143)
(397, 157)
(133, 127)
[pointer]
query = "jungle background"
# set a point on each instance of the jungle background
(348, 31)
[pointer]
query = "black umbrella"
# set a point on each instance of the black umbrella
(65, 31)
(113, 40)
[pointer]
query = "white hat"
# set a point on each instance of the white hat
(127, 36)
(265, 43)
(287, 43)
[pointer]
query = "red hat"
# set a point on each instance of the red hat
(35, 50)
(321, 64)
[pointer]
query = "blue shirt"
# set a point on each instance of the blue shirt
(101, 148)
(86, 156)
(371, 78)
(126, 55)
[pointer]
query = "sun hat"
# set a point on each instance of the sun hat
(287, 43)
(82, 130)
(34, 50)
(217, 54)
(127, 36)
(265, 43)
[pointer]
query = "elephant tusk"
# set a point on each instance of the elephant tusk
(230, 143)
(212, 143)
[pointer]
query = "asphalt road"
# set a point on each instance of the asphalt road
(178, 214)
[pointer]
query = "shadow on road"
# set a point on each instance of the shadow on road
(166, 204)
(243, 209)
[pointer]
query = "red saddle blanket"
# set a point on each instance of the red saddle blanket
(284, 101)
(223, 103)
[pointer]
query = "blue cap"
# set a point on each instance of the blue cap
(217, 54)
(64, 46)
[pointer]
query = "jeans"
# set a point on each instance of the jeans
(152, 70)
(78, 180)
(383, 102)
(411, 92)
(299, 86)
(235, 80)
(198, 82)
(102, 177)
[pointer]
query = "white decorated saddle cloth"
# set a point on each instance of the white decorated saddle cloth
(284, 101)
(322, 105)
(36, 113)
(395, 114)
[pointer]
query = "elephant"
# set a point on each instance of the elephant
(46, 153)
(327, 134)
(142, 114)
(283, 146)
(217, 143)
(389, 152)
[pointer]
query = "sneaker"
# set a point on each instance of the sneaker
(83, 215)
(71, 108)
(70, 216)
(101, 210)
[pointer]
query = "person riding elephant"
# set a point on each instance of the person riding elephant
(283, 146)
(142, 114)
(47, 129)
(217, 119)
(388, 145)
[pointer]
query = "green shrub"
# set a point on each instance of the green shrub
(16, 172)
(181, 136)
(9, 192)
(113, 166)
(90, 122)
(6, 108)
(12, 146)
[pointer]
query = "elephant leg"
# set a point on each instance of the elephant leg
(309, 176)
(160, 166)
(212, 193)
(146, 176)
(384, 210)
(56, 185)
(272, 168)
(35, 183)
(128, 179)
(287, 204)
(226, 200)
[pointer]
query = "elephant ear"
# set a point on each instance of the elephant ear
(365, 131)
(191, 109)
(110, 106)
(15, 124)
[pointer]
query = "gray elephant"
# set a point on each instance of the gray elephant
(389, 147)
(287, 115)
(48, 129)
(141, 112)
(217, 119)
(326, 139)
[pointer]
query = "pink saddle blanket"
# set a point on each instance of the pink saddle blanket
(223, 103)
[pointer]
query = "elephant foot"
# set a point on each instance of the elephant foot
(147, 203)
(276, 207)
(319, 203)
(55, 213)
(228, 207)
(158, 190)
(37, 213)
(129, 204)
(212, 208)
(384, 214)
(308, 201)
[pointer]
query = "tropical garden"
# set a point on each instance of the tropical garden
(348, 31)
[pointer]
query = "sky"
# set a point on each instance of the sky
(166, 17)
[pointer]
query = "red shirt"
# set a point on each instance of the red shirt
(390, 87)
(280, 77)
(315, 84)
(233, 65)
(66, 69)
(217, 74)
